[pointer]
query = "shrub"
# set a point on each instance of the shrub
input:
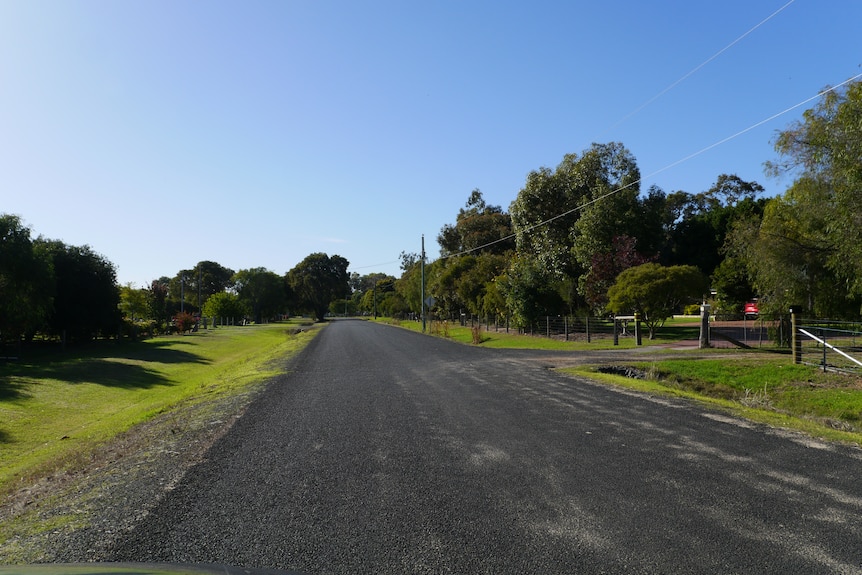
(184, 321)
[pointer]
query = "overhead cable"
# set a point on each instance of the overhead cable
(698, 67)
(667, 167)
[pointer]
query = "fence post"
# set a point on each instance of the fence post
(795, 342)
(704, 326)
(587, 327)
(638, 329)
(616, 331)
(823, 337)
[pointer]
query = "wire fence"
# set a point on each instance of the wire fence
(831, 345)
(751, 331)
(566, 328)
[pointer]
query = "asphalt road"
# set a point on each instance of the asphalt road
(384, 451)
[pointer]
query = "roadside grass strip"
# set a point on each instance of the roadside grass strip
(500, 339)
(54, 410)
(767, 388)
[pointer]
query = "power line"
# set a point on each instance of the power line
(698, 67)
(667, 167)
(641, 107)
(677, 162)
(376, 265)
(660, 170)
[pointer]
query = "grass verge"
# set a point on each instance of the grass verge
(670, 333)
(56, 409)
(766, 388)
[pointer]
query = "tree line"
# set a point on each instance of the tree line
(585, 238)
(579, 238)
(53, 291)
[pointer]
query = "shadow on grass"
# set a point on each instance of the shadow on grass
(10, 390)
(95, 370)
(100, 364)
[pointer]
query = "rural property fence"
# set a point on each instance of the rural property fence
(749, 331)
(831, 345)
(567, 328)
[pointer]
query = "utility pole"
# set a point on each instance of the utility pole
(422, 258)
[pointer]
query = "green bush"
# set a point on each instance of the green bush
(692, 309)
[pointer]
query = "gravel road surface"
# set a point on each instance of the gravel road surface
(384, 451)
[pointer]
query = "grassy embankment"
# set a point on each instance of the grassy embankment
(55, 408)
(760, 385)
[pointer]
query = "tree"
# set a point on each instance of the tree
(732, 285)
(543, 214)
(261, 291)
(224, 305)
(157, 301)
(606, 266)
(133, 302)
(194, 286)
(474, 250)
(699, 235)
(26, 281)
(478, 226)
(790, 253)
(316, 281)
(823, 152)
(562, 218)
(655, 291)
(611, 207)
(214, 278)
(528, 293)
(86, 304)
(409, 285)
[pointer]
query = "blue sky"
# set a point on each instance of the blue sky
(253, 133)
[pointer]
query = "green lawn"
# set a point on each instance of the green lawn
(58, 407)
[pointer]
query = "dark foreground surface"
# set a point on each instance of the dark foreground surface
(384, 451)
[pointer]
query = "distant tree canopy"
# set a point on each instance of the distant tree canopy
(194, 286)
(316, 281)
(224, 305)
(262, 292)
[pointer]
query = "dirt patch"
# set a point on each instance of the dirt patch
(623, 370)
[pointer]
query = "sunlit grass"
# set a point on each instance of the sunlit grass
(53, 410)
(767, 388)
